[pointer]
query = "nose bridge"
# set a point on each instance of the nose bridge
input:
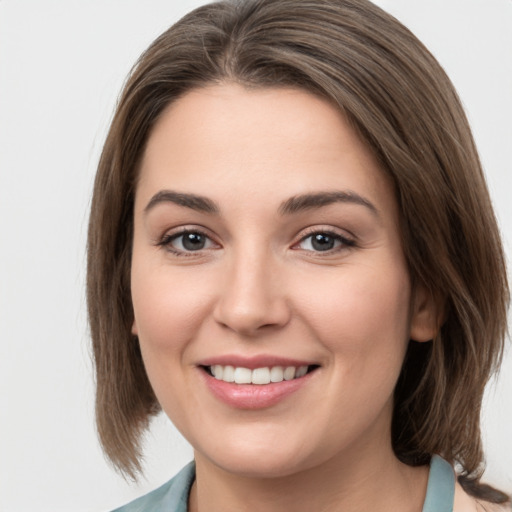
(252, 295)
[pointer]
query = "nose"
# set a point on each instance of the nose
(252, 297)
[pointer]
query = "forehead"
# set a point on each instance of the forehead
(226, 141)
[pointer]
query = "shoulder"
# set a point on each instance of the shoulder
(169, 497)
(463, 502)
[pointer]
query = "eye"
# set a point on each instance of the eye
(324, 241)
(186, 242)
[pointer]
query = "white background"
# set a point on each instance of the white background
(62, 64)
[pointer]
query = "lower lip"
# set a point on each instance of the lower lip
(254, 396)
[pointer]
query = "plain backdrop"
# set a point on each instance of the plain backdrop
(62, 64)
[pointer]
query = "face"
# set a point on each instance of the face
(272, 301)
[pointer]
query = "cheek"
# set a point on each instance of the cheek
(362, 320)
(169, 310)
(168, 306)
(360, 311)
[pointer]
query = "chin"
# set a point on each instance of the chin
(260, 459)
(259, 466)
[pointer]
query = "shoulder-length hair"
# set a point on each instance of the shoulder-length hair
(402, 104)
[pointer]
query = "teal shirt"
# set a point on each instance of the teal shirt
(173, 495)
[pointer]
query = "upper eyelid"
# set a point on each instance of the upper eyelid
(343, 239)
(304, 233)
(165, 240)
(180, 230)
(311, 230)
(346, 240)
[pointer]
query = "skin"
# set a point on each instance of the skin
(259, 286)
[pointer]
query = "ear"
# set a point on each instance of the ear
(426, 315)
(135, 331)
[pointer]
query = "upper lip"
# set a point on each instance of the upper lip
(253, 362)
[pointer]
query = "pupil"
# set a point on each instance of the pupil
(193, 241)
(322, 242)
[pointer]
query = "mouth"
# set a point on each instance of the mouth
(256, 382)
(258, 376)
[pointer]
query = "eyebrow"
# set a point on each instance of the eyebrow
(293, 205)
(319, 199)
(192, 201)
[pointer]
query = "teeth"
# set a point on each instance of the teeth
(276, 374)
(300, 372)
(229, 374)
(289, 373)
(243, 376)
(266, 375)
(218, 371)
(261, 376)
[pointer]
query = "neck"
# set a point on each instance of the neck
(371, 480)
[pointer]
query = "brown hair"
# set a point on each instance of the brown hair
(403, 105)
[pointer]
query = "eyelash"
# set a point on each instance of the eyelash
(166, 241)
(344, 241)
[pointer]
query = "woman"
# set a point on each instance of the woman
(292, 252)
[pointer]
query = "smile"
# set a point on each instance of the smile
(255, 383)
(258, 376)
